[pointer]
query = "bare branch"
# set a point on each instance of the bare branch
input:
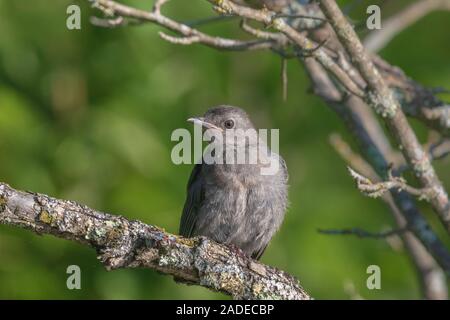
(381, 98)
(108, 23)
(361, 123)
(353, 159)
(431, 276)
(360, 233)
(114, 9)
(179, 40)
(300, 16)
(158, 5)
(437, 150)
(402, 206)
(376, 190)
(279, 37)
(121, 243)
(416, 100)
(440, 150)
(208, 20)
(284, 78)
(270, 18)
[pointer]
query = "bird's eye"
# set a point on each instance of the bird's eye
(229, 124)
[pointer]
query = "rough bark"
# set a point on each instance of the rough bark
(122, 243)
(381, 98)
(351, 112)
(349, 86)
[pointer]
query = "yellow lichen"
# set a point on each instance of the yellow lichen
(46, 217)
(231, 283)
(190, 242)
(160, 229)
(257, 288)
(113, 234)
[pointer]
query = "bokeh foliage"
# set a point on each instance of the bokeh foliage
(87, 115)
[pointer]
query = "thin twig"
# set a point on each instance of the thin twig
(265, 35)
(269, 18)
(114, 9)
(284, 78)
(360, 233)
(335, 98)
(402, 205)
(432, 278)
(109, 23)
(158, 5)
(381, 98)
(440, 149)
(376, 190)
(209, 20)
(302, 16)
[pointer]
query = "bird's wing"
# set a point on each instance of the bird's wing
(284, 168)
(257, 254)
(193, 199)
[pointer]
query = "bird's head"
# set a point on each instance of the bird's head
(224, 118)
(231, 128)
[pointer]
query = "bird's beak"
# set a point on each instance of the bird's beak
(201, 122)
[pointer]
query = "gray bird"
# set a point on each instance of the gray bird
(235, 204)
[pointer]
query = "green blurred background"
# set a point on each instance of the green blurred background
(87, 115)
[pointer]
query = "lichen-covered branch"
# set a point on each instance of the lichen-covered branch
(416, 100)
(377, 189)
(122, 243)
(431, 276)
(341, 84)
(381, 98)
(359, 125)
(422, 244)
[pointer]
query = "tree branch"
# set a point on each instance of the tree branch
(415, 100)
(115, 10)
(377, 189)
(360, 233)
(382, 100)
(423, 243)
(122, 243)
(431, 276)
(271, 18)
(355, 114)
